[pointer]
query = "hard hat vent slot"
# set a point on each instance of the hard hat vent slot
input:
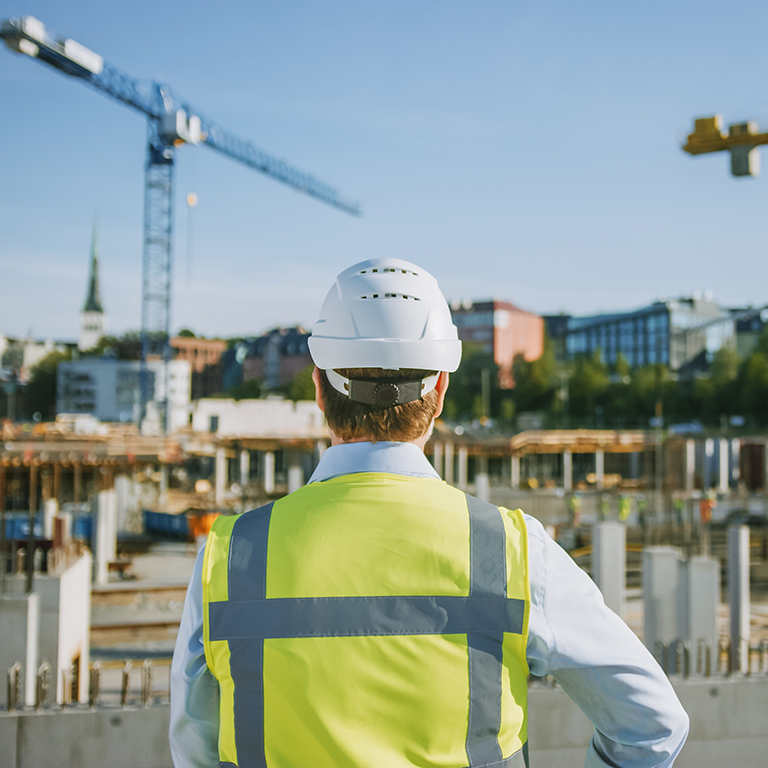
(387, 270)
(391, 296)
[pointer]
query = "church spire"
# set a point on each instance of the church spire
(92, 316)
(93, 299)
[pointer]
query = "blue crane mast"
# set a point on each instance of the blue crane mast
(171, 123)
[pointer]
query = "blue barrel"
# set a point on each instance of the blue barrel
(17, 526)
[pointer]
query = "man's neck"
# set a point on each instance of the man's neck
(419, 442)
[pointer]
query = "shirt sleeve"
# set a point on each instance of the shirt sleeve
(600, 663)
(194, 726)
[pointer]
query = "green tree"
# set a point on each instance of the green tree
(587, 390)
(185, 333)
(41, 389)
(464, 398)
(125, 347)
(248, 390)
(753, 385)
(535, 380)
(302, 387)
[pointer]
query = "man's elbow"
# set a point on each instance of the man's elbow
(679, 725)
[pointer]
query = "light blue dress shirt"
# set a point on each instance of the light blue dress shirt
(588, 649)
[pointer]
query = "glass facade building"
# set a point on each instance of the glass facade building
(681, 333)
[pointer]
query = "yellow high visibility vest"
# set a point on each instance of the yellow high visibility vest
(369, 620)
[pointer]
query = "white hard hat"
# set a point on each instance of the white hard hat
(385, 313)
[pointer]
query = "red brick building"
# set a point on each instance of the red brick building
(503, 329)
(199, 352)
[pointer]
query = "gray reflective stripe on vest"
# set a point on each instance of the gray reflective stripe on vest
(247, 618)
(246, 578)
(487, 580)
(281, 617)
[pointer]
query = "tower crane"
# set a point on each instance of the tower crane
(171, 123)
(741, 141)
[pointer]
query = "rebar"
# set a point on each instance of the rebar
(14, 686)
(684, 658)
(146, 682)
(43, 685)
(94, 687)
(125, 683)
(703, 658)
(724, 651)
(66, 688)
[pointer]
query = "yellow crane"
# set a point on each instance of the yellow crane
(741, 140)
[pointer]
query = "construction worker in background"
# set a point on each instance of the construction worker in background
(625, 507)
(380, 617)
(575, 507)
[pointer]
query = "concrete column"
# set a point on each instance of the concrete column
(269, 472)
(103, 548)
(609, 563)
(111, 502)
(661, 574)
(699, 597)
(482, 483)
(50, 510)
(709, 457)
(765, 468)
(124, 492)
(567, 471)
(738, 595)
(735, 460)
(463, 459)
(634, 465)
(19, 641)
(437, 458)
(515, 471)
(57, 481)
(78, 481)
(599, 469)
(690, 464)
(448, 477)
(321, 446)
(723, 480)
(221, 475)
(245, 468)
(163, 482)
(295, 473)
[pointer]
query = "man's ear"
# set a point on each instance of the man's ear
(441, 388)
(318, 389)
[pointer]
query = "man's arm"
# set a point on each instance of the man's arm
(600, 663)
(194, 730)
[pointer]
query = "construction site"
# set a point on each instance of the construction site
(108, 490)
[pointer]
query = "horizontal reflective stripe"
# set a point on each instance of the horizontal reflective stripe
(369, 616)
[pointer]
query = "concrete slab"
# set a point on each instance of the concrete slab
(7, 742)
(118, 738)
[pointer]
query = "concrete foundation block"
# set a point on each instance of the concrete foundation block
(609, 563)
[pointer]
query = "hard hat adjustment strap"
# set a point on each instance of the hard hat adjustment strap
(387, 392)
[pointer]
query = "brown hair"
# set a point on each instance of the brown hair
(351, 420)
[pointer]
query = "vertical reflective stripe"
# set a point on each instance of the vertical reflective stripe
(487, 578)
(248, 581)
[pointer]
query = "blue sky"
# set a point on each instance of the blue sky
(523, 150)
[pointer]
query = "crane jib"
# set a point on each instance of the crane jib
(171, 122)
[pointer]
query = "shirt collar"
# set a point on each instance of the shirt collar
(391, 458)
